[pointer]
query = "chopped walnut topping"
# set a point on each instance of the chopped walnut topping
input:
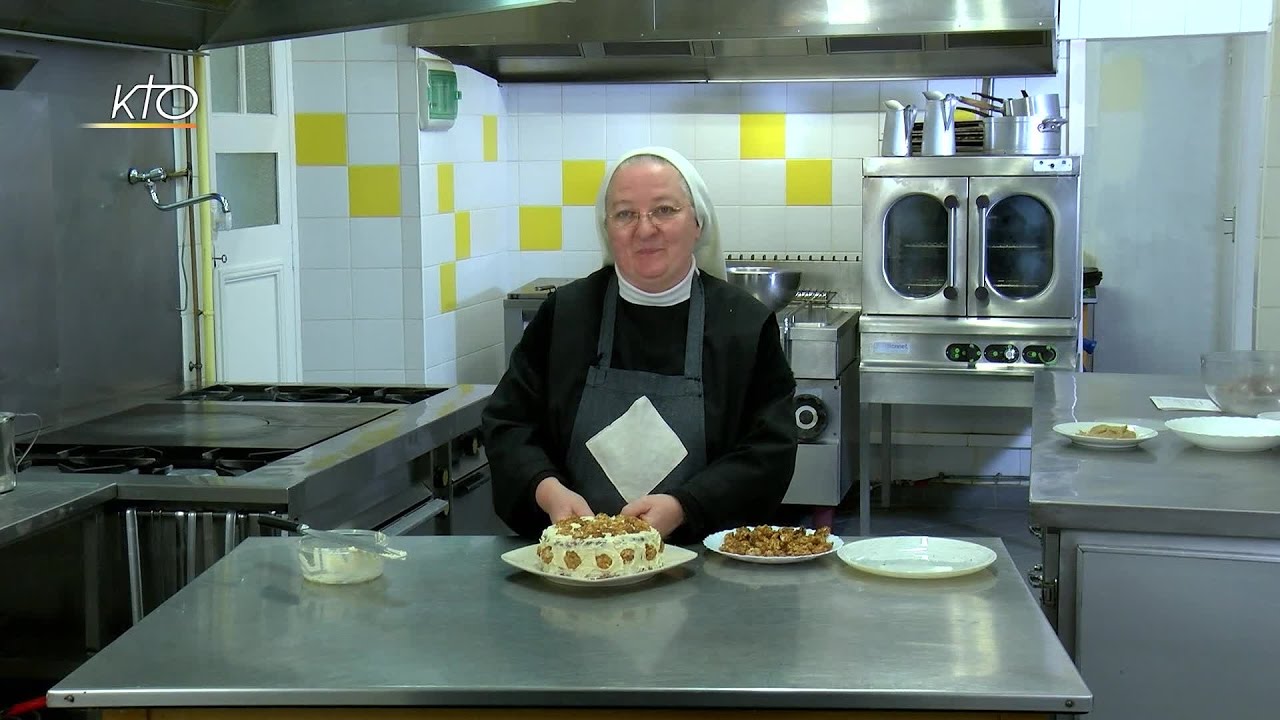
(545, 554)
(628, 555)
(571, 560)
(603, 561)
(650, 552)
(764, 541)
(601, 526)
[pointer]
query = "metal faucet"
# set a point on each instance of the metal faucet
(151, 176)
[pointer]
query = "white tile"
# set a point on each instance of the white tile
(580, 228)
(808, 135)
(1267, 329)
(1049, 85)
(626, 98)
(322, 192)
(763, 97)
(717, 136)
(846, 182)
(729, 220)
(428, 189)
(411, 294)
(379, 377)
(581, 264)
(1268, 272)
(855, 135)
(846, 228)
(675, 131)
(907, 92)
(407, 88)
(373, 139)
(379, 345)
(480, 279)
(438, 241)
(535, 99)
(328, 377)
(410, 192)
(1218, 17)
(482, 94)
(319, 87)
(435, 146)
(1255, 16)
(510, 98)
(430, 292)
(717, 99)
(325, 294)
(324, 243)
(808, 229)
(511, 229)
(482, 367)
(487, 232)
(376, 242)
(540, 137)
(1153, 18)
(508, 137)
(1006, 88)
(375, 44)
(1105, 18)
(809, 97)
(446, 374)
(855, 96)
(763, 182)
(583, 99)
(473, 186)
(411, 242)
(377, 294)
(467, 136)
(540, 183)
(473, 332)
(624, 132)
(372, 87)
(327, 345)
(959, 86)
(318, 48)
(673, 97)
(1069, 19)
(413, 350)
(723, 179)
(409, 139)
(583, 136)
(763, 229)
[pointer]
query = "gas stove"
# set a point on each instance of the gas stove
(113, 460)
(392, 395)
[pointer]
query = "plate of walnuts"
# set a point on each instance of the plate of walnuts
(773, 544)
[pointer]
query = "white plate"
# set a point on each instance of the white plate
(715, 540)
(1072, 432)
(526, 558)
(1270, 415)
(1228, 434)
(917, 557)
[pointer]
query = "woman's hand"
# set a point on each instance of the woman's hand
(663, 512)
(559, 502)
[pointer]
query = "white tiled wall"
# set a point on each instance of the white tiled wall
(1097, 19)
(1267, 298)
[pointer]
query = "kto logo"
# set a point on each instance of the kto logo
(125, 105)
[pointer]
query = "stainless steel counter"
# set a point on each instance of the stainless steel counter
(1166, 485)
(453, 625)
(34, 506)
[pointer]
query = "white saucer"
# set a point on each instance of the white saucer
(1072, 431)
(715, 540)
(917, 557)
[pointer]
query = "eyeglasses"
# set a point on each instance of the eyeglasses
(659, 216)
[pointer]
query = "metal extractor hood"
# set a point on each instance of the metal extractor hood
(712, 40)
(193, 25)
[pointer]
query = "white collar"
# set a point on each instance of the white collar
(675, 295)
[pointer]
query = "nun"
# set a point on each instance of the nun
(651, 387)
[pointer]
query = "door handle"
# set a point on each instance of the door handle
(949, 292)
(1230, 219)
(981, 293)
(219, 259)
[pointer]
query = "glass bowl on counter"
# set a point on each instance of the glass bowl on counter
(1242, 382)
(331, 563)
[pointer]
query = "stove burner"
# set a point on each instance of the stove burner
(305, 393)
(137, 460)
(232, 462)
(311, 394)
(227, 462)
(213, 392)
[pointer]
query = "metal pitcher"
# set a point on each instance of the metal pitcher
(9, 460)
(939, 124)
(898, 122)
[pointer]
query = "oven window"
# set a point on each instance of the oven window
(1019, 247)
(917, 246)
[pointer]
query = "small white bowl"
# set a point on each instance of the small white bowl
(1228, 434)
(1072, 431)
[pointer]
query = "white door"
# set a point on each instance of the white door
(256, 313)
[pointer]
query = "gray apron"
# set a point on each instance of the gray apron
(610, 392)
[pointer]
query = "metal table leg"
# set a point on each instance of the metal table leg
(864, 469)
(886, 453)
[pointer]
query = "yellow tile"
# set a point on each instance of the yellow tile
(490, 138)
(448, 287)
(374, 190)
(444, 186)
(580, 181)
(462, 235)
(808, 182)
(540, 227)
(320, 138)
(762, 136)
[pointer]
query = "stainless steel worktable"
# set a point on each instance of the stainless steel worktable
(453, 625)
(1166, 485)
(32, 507)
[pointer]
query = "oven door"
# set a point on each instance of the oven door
(1024, 247)
(914, 246)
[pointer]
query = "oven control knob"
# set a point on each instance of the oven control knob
(1001, 353)
(964, 352)
(949, 292)
(811, 418)
(1040, 354)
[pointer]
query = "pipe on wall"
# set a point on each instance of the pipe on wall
(206, 329)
